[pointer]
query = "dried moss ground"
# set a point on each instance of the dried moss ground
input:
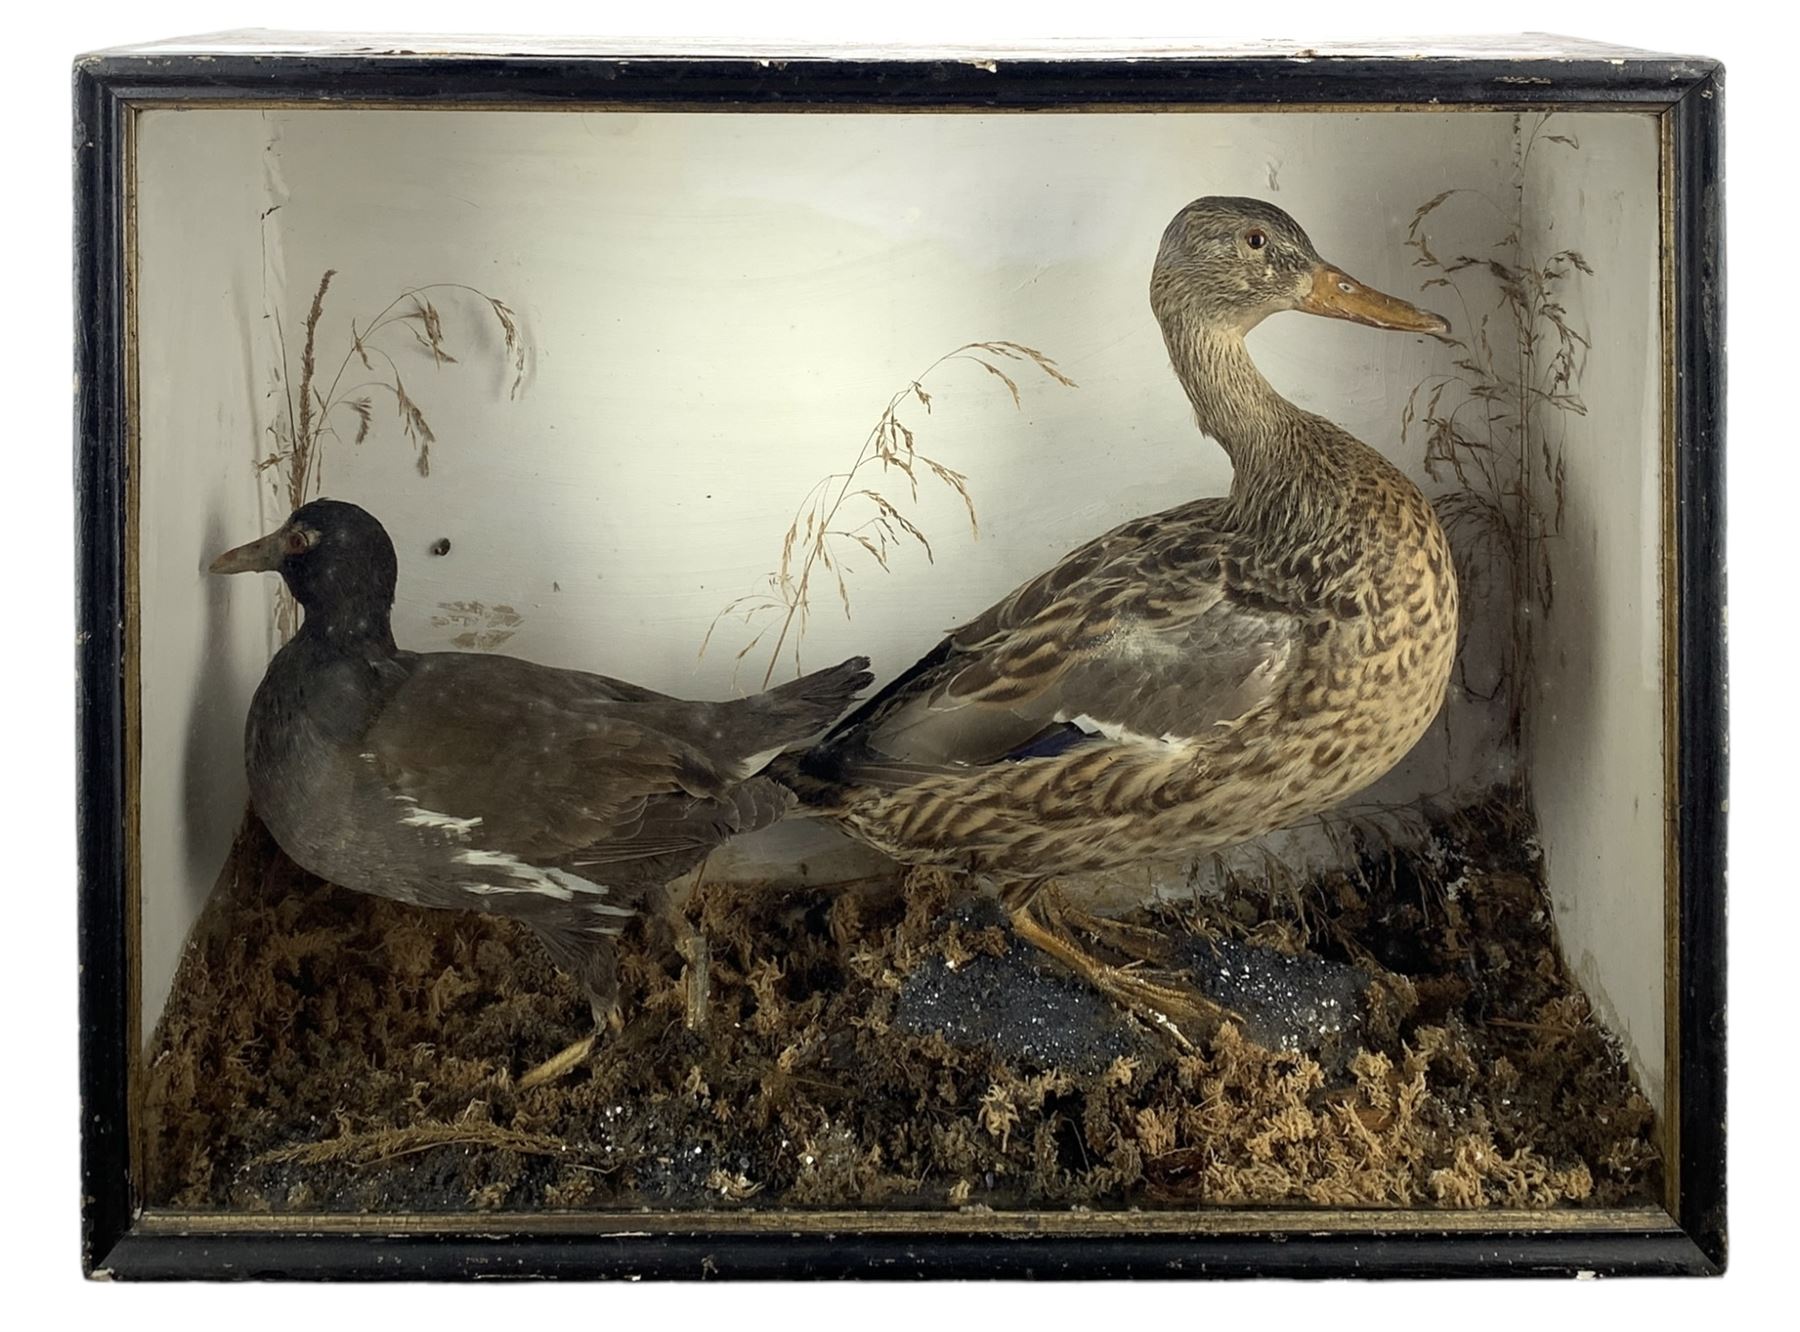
(896, 1046)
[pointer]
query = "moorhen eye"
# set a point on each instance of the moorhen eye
(1255, 239)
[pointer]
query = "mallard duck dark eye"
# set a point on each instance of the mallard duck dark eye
(1256, 239)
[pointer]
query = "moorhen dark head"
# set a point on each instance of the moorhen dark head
(336, 559)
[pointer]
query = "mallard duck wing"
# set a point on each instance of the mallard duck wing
(1136, 637)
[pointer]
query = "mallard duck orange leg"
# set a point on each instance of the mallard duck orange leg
(1165, 1007)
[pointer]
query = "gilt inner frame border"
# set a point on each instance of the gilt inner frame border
(1685, 1235)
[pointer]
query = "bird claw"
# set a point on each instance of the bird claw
(1163, 1005)
(559, 1064)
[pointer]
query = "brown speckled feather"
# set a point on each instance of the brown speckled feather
(1137, 633)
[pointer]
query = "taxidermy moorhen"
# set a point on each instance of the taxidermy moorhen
(1193, 678)
(460, 779)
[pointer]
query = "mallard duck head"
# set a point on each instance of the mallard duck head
(333, 556)
(1229, 263)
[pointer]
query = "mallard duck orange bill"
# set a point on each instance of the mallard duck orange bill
(1337, 295)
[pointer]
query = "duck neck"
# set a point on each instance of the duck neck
(1233, 403)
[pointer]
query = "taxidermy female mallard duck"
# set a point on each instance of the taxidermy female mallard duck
(1194, 678)
(458, 779)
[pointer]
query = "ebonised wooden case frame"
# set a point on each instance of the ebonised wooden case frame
(121, 1239)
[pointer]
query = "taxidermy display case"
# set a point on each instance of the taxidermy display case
(1060, 662)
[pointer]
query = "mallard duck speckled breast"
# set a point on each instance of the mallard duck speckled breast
(1192, 678)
